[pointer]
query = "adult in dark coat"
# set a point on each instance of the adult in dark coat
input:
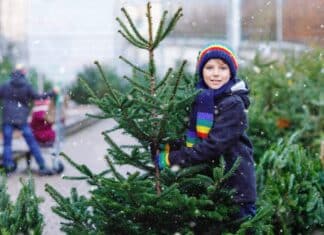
(218, 124)
(17, 93)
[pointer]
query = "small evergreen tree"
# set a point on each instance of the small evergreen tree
(33, 76)
(6, 66)
(291, 180)
(154, 111)
(5, 207)
(23, 217)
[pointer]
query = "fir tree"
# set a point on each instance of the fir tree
(23, 217)
(25, 212)
(5, 207)
(188, 201)
(291, 179)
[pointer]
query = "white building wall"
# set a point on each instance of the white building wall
(64, 36)
(61, 37)
(13, 29)
(13, 17)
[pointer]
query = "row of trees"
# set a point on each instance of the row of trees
(286, 97)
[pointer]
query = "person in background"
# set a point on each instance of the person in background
(17, 93)
(42, 121)
(217, 126)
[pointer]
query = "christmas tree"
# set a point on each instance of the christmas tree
(154, 111)
(291, 180)
(22, 217)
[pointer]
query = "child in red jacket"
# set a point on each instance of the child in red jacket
(43, 121)
(42, 124)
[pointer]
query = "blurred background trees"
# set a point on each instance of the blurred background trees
(91, 75)
(286, 97)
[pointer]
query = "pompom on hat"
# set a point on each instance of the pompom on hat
(217, 51)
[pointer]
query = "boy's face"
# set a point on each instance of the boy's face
(216, 73)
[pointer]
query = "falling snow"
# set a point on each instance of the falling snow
(256, 69)
(175, 168)
(289, 74)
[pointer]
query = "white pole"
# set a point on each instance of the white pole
(279, 22)
(0, 17)
(234, 24)
(58, 123)
(40, 83)
(1, 38)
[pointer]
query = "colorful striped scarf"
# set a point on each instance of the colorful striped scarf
(200, 122)
(202, 114)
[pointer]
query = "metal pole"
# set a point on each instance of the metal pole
(234, 24)
(27, 27)
(58, 166)
(279, 20)
(0, 17)
(58, 123)
(1, 38)
(40, 83)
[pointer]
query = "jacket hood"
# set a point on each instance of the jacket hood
(241, 89)
(18, 79)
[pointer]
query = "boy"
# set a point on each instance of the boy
(217, 126)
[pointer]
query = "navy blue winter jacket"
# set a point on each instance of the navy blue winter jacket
(17, 93)
(227, 138)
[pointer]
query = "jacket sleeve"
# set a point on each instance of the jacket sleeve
(1, 90)
(229, 124)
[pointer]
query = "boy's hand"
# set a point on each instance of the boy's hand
(162, 158)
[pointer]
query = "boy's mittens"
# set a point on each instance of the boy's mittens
(162, 159)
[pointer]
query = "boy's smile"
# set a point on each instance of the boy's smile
(216, 73)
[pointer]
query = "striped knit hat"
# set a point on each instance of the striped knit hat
(216, 51)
